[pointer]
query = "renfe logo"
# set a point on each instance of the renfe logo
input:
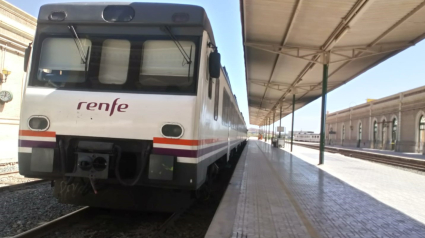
(91, 106)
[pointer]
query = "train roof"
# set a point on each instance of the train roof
(144, 13)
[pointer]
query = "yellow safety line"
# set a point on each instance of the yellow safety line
(310, 229)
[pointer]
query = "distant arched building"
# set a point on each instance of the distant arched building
(396, 122)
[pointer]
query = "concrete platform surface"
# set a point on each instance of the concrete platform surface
(275, 193)
(376, 151)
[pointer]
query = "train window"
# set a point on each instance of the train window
(146, 64)
(163, 64)
(210, 82)
(114, 61)
(54, 68)
(216, 98)
(225, 108)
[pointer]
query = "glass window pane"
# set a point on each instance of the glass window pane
(216, 99)
(163, 64)
(114, 61)
(60, 60)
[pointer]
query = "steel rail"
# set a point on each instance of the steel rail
(379, 158)
(7, 173)
(55, 224)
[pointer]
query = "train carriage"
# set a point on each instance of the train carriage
(307, 137)
(126, 105)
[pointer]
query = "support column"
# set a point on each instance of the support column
(280, 122)
(323, 113)
(293, 112)
(269, 127)
(273, 123)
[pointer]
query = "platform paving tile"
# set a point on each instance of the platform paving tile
(401, 189)
(283, 195)
(263, 209)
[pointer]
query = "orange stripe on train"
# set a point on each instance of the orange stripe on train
(169, 141)
(37, 133)
(160, 140)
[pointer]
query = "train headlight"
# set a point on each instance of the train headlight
(172, 130)
(57, 16)
(38, 123)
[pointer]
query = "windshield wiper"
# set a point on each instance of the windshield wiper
(186, 57)
(188, 70)
(84, 56)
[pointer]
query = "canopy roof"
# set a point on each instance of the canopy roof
(286, 42)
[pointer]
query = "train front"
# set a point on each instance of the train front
(109, 86)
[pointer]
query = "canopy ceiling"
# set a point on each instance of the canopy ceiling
(286, 43)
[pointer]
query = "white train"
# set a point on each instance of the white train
(126, 105)
(307, 137)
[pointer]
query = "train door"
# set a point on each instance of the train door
(226, 118)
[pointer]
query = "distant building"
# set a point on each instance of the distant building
(396, 122)
(17, 30)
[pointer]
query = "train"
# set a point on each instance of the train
(126, 105)
(307, 137)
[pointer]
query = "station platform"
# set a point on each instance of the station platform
(374, 151)
(275, 193)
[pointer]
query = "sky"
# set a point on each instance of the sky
(400, 73)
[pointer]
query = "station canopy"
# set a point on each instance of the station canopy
(287, 42)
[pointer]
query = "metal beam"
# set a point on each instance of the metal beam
(284, 40)
(355, 12)
(291, 22)
(379, 38)
(307, 57)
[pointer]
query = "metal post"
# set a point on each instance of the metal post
(323, 113)
(280, 122)
(269, 127)
(273, 124)
(265, 128)
(293, 111)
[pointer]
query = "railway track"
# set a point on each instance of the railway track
(8, 168)
(86, 215)
(192, 219)
(9, 173)
(56, 224)
(415, 164)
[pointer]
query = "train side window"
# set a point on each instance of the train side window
(217, 97)
(210, 87)
(114, 61)
(225, 108)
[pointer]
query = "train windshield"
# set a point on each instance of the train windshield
(151, 65)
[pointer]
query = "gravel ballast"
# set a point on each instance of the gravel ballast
(8, 167)
(29, 207)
